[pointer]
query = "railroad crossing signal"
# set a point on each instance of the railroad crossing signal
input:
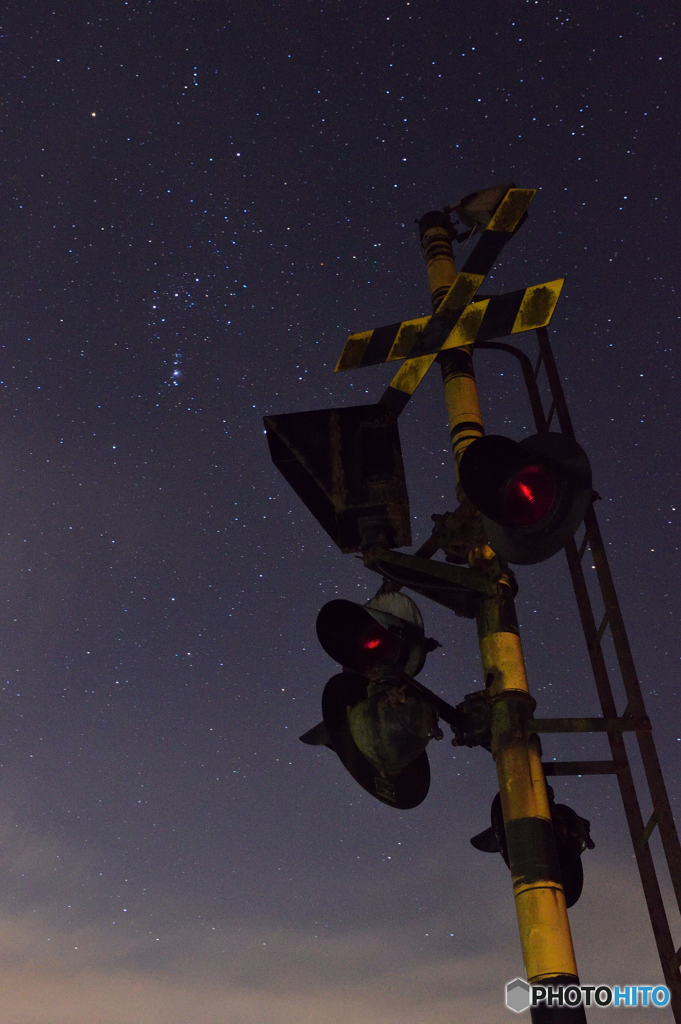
(346, 464)
(458, 320)
(376, 718)
(527, 499)
(532, 494)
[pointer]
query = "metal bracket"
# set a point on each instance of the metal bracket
(413, 572)
(473, 727)
(454, 586)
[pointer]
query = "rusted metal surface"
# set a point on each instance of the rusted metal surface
(346, 466)
(640, 833)
(452, 586)
(630, 800)
(612, 617)
(636, 706)
(537, 886)
(459, 532)
(426, 571)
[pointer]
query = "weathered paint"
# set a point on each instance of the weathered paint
(494, 317)
(537, 306)
(539, 898)
(511, 209)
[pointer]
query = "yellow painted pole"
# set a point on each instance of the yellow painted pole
(539, 899)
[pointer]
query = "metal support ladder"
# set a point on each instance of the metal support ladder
(634, 717)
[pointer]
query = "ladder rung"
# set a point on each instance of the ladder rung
(587, 725)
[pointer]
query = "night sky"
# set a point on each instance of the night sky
(200, 201)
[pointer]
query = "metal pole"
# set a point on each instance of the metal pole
(539, 899)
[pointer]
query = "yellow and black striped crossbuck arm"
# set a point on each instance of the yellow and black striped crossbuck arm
(493, 317)
(507, 218)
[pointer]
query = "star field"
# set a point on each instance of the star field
(200, 202)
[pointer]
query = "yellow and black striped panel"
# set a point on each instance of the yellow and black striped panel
(537, 306)
(524, 310)
(482, 320)
(461, 292)
(367, 348)
(508, 217)
(395, 399)
(412, 372)
(382, 345)
(495, 317)
(468, 325)
(464, 332)
(511, 210)
(410, 375)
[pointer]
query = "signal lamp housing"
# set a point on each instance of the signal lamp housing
(532, 494)
(387, 633)
(392, 726)
(572, 835)
(375, 719)
(380, 738)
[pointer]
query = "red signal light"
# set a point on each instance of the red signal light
(371, 643)
(363, 639)
(377, 645)
(529, 495)
(532, 494)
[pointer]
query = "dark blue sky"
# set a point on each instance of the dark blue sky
(200, 201)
